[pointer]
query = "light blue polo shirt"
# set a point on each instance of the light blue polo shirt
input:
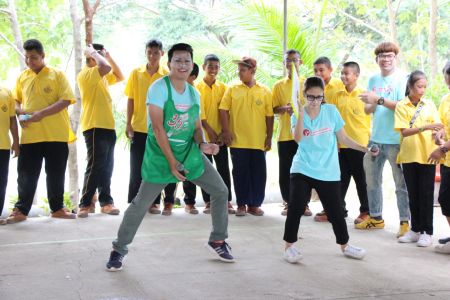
(317, 154)
(391, 87)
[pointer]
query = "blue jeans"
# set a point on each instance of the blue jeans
(373, 166)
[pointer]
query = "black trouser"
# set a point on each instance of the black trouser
(286, 152)
(299, 195)
(351, 163)
(100, 144)
(29, 166)
(4, 168)
(419, 180)
(444, 191)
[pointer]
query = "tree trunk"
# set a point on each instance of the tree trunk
(432, 49)
(16, 32)
(89, 12)
(392, 21)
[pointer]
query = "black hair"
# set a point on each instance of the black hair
(154, 43)
(211, 57)
(292, 51)
(312, 82)
(195, 70)
(352, 64)
(180, 47)
(446, 69)
(323, 60)
(412, 79)
(33, 44)
(98, 47)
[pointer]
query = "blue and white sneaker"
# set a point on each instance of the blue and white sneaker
(221, 251)
(115, 261)
(292, 255)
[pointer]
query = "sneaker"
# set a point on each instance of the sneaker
(83, 212)
(292, 255)
(241, 211)
(3, 222)
(308, 212)
(284, 211)
(256, 211)
(16, 216)
(354, 252)
(207, 209)
(110, 209)
(445, 248)
(154, 209)
(231, 209)
(63, 214)
(370, 223)
(167, 211)
(362, 217)
(222, 250)
(444, 240)
(404, 228)
(115, 261)
(409, 237)
(321, 217)
(425, 240)
(190, 209)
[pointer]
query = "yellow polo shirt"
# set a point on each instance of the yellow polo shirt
(444, 113)
(37, 91)
(248, 108)
(210, 98)
(333, 86)
(415, 148)
(136, 89)
(351, 108)
(96, 101)
(7, 110)
(281, 96)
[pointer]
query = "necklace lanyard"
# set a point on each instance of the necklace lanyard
(416, 114)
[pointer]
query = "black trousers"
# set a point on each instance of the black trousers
(4, 168)
(100, 145)
(286, 152)
(351, 163)
(444, 191)
(299, 196)
(419, 180)
(29, 166)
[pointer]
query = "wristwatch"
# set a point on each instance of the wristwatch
(380, 101)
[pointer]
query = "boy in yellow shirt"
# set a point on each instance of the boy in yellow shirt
(42, 94)
(97, 124)
(7, 123)
(357, 126)
(246, 116)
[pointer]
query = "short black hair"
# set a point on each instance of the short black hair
(323, 60)
(446, 69)
(412, 79)
(33, 44)
(98, 47)
(154, 43)
(292, 51)
(210, 57)
(195, 70)
(180, 47)
(352, 64)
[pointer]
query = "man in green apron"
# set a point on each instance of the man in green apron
(173, 153)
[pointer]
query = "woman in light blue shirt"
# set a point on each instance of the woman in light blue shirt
(317, 130)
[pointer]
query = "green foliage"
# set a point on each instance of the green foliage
(66, 202)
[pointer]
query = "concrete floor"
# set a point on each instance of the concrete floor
(45, 258)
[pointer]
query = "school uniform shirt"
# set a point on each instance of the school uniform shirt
(7, 111)
(281, 96)
(248, 108)
(393, 88)
(333, 86)
(37, 91)
(351, 108)
(210, 98)
(444, 114)
(417, 147)
(317, 155)
(136, 88)
(96, 102)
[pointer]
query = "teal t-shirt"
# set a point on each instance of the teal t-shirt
(317, 154)
(391, 87)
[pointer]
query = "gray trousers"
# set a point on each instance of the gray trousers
(210, 181)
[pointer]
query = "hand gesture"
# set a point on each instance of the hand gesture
(435, 156)
(227, 137)
(15, 149)
(369, 97)
(209, 148)
(129, 131)
(89, 51)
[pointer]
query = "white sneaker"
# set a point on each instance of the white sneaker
(409, 237)
(444, 248)
(292, 255)
(425, 240)
(354, 252)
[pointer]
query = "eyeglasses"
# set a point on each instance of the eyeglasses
(292, 60)
(386, 56)
(180, 63)
(312, 98)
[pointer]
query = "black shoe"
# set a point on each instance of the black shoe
(444, 240)
(115, 261)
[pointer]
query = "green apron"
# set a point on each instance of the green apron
(180, 127)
